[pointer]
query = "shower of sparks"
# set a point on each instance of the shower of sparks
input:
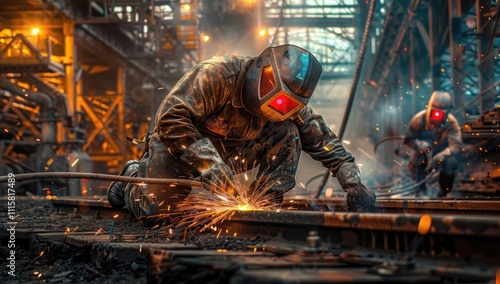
(211, 207)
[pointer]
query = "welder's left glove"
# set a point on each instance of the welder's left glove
(359, 197)
(216, 174)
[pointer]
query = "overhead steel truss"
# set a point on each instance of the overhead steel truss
(326, 28)
(436, 45)
(456, 53)
(111, 61)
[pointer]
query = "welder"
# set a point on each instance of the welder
(250, 109)
(435, 140)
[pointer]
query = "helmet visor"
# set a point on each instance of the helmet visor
(283, 103)
(437, 115)
(279, 97)
(267, 82)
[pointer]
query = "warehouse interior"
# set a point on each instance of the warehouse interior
(79, 77)
(80, 84)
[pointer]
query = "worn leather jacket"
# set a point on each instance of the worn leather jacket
(206, 102)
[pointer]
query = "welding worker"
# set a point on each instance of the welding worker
(435, 139)
(250, 109)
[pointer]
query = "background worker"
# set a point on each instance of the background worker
(253, 108)
(435, 139)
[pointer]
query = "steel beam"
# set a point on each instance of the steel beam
(311, 22)
(485, 40)
(120, 93)
(435, 45)
(394, 32)
(100, 124)
(456, 60)
(20, 55)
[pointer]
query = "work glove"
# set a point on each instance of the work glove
(422, 145)
(215, 174)
(359, 197)
(219, 177)
(425, 150)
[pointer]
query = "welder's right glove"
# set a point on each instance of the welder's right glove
(216, 174)
(359, 197)
(422, 145)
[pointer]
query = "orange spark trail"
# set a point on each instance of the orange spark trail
(211, 207)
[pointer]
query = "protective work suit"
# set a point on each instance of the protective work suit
(435, 138)
(253, 109)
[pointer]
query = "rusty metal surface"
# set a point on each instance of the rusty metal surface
(456, 234)
(490, 206)
(99, 205)
(459, 236)
(459, 225)
(263, 246)
(95, 206)
(326, 266)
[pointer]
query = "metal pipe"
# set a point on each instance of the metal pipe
(94, 176)
(354, 85)
(46, 87)
(456, 54)
(395, 48)
(484, 45)
(49, 129)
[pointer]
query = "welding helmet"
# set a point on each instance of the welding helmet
(438, 108)
(280, 82)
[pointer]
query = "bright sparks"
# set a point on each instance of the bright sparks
(211, 207)
(245, 207)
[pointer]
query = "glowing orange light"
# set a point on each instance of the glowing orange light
(35, 31)
(424, 225)
(262, 32)
(216, 204)
(244, 207)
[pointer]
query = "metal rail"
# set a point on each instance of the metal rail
(464, 223)
(285, 246)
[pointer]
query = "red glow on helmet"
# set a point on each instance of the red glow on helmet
(267, 83)
(283, 103)
(437, 115)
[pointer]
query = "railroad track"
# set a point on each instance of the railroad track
(446, 241)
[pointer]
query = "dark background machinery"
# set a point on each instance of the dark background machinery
(78, 77)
